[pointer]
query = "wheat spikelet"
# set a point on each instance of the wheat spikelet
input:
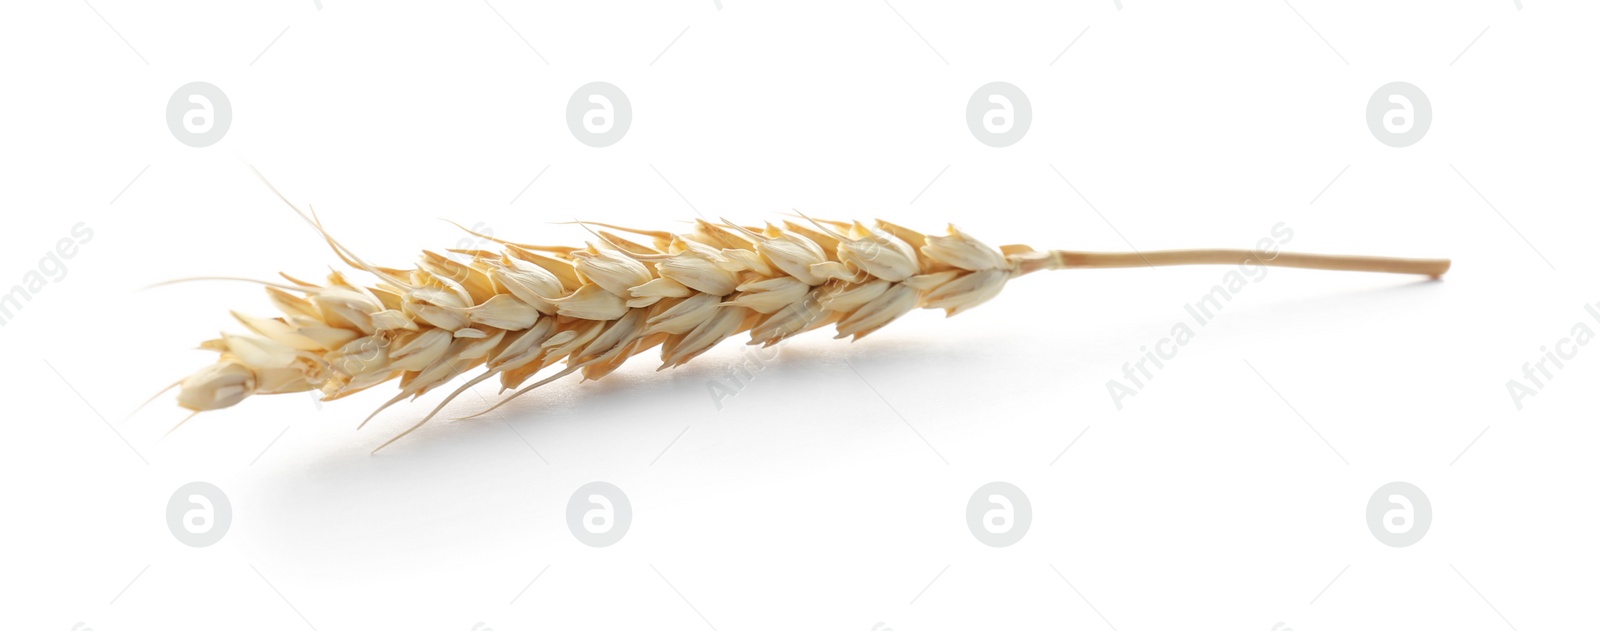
(525, 308)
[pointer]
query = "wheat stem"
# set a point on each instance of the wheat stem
(1072, 259)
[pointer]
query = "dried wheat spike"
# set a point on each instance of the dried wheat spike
(515, 312)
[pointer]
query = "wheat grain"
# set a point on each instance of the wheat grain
(523, 309)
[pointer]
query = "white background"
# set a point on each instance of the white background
(831, 492)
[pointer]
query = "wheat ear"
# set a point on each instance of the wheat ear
(515, 312)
